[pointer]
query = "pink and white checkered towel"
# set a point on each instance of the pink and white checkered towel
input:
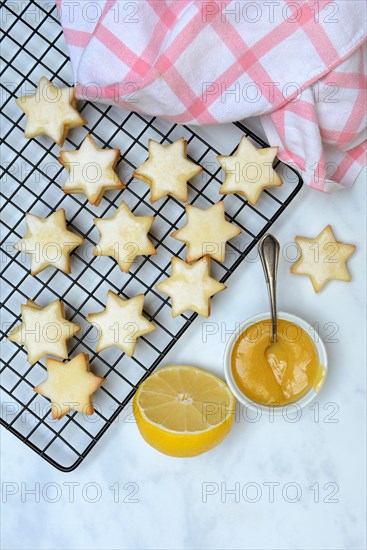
(299, 65)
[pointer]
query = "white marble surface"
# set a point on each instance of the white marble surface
(183, 504)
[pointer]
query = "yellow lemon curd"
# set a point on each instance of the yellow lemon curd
(280, 373)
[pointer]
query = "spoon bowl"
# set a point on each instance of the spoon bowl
(294, 407)
(277, 358)
(275, 353)
(281, 361)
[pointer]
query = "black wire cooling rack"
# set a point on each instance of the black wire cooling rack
(33, 46)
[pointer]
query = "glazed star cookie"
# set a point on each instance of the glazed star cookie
(190, 286)
(48, 242)
(50, 111)
(44, 330)
(167, 170)
(121, 323)
(69, 386)
(323, 258)
(206, 232)
(249, 171)
(91, 170)
(124, 236)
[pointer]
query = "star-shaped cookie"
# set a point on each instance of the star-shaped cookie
(69, 386)
(249, 171)
(48, 242)
(91, 170)
(121, 323)
(124, 236)
(44, 330)
(190, 286)
(323, 258)
(206, 232)
(50, 111)
(167, 170)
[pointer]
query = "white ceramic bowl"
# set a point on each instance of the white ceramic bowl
(240, 396)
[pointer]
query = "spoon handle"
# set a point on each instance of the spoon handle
(269, 253)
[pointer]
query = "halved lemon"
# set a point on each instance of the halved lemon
(183, 411)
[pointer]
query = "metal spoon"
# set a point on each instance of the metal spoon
(269, 254)
(275, 353)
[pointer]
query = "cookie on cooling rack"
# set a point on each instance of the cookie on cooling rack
(190, 286)
(124, 237)
(206, 232)
(91, 170)
(121, 323)
(167, 170)
(249, 171)
(323, 259)
(43, 330)
(48, 242)
(50, 111)
(70, 386)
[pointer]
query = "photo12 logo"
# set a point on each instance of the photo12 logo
(91, 11)
(270, 91)
(70, 492)
(271, 11)
(269, 491)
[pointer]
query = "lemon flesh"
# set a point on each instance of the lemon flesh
(183, 411)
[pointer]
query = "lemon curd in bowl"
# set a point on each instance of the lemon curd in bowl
(295, 372)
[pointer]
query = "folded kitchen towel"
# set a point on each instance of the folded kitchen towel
(299, 65)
